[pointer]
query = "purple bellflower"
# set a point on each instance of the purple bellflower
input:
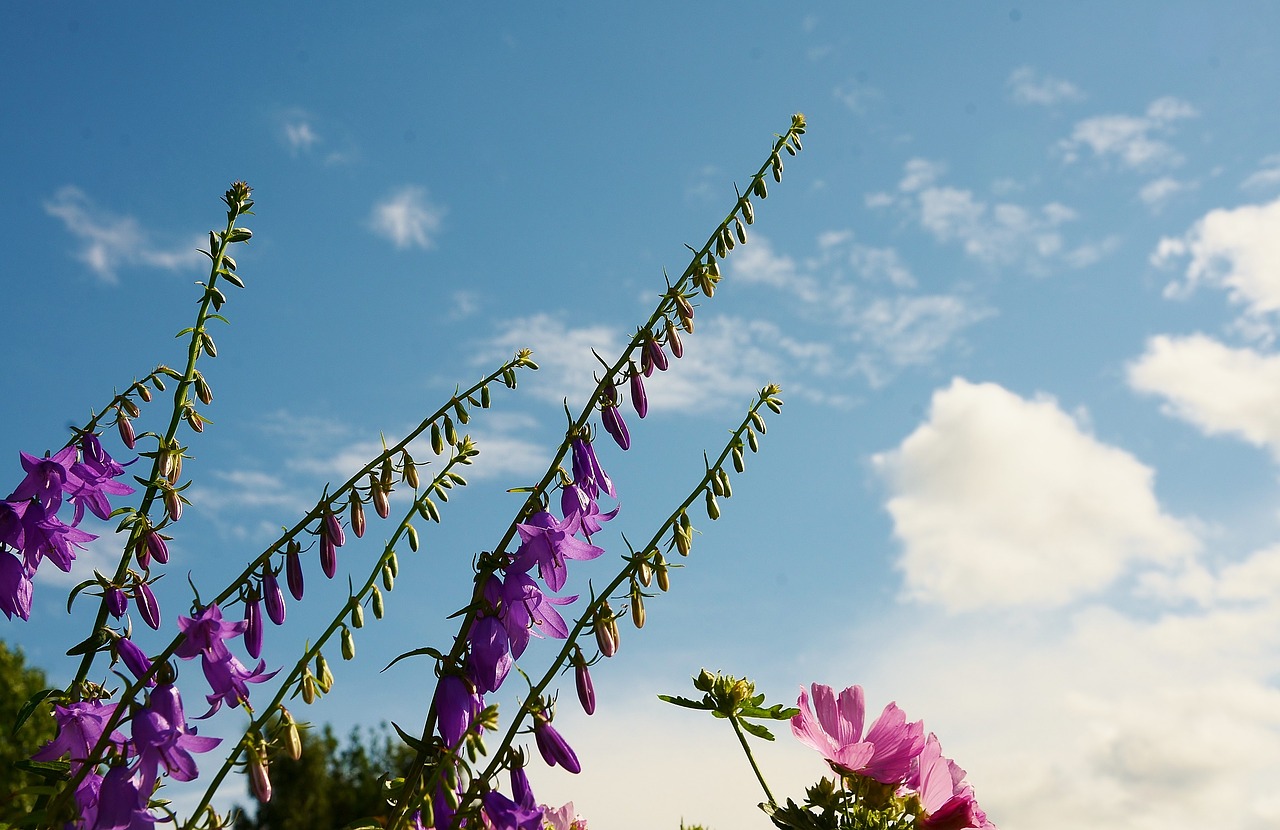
(93, 478)
(45, 478)
(15, 587)
(162, 739)
(46, 536)
(525, 610)
(546, 542)
(611, 418)
(122, 802)
(501, 813)
(205, 637)
(587, 472)
(458, 704)
(134, 658)
(554, 748)
(582, 514)
(80, 727)
(273, 597)
(490, 656)
(638, 397)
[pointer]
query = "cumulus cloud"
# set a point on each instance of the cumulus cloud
(1237, 250)
(1130, 140)
(408, 218)
(1000, 501)
(1028, 86)
(1219, 389)
(999, 234)
(110, 241)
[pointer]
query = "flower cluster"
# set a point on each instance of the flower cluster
(30, 530)
(893, 752)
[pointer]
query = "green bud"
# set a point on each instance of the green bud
(378, 608)
(393, 562)
(357, 614)
(461, 412)
(408, 470)
(740, 231)
(728, 238)
(748, 212)
(752, 441)
(388, 578)
(144, 392)
(739, 463)
(705, 681)
(206, 342)
(291, 739)
(348, 644)
(412, 533)
(484, 397)
(324, 677)
(726, 488)
(308, 689)
(386, 474)
(203, 392)
(721, 250)
(450, 434)
(437, 440)
(644, 572)
(713, 509)
(684, 544)
(637, 607)
(761, 189)
(662, 573)
(758, 421)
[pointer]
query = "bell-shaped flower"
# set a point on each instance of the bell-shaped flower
(489, 659)
(587, 472)
(547, 542)
(45, 478)
(554, 748)
(525, 610)
(47, 537)
(885, 754)
(501, 813)
(457, 703)
(93, 479)
(163, 739)
(582, 514)
(15, 587)
(80, 727)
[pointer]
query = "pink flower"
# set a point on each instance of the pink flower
(885, 754)
(948, 802)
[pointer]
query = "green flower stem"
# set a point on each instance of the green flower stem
(300, 669)
(666, 306)
(585, 619)
(751, 759)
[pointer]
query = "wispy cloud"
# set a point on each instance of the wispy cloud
(998, 234)
(857, 95)
(408, 218)
(300, 132)
(1157, 193)
(1130, 140)
(1028, 86)
(111, 241)
(1267, 174)
(300, 135)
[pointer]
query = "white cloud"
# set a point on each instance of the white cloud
(1268, 175)
(910, 331)
(111, 241)
(300, 135)
(1235, 249)
(856, 95)
(408, 218)
(1002, 501)
(999, 234)
(1156, 193)
(1129, 139)
(1027, 86)
(1218, 389)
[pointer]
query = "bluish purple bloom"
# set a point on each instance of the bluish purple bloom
(654, 349)
(117, 602)
(92, 479)
(122, 802)
(490, 656)
(332, 537)
(162, 739)
(504, 814)
(293, 572)
(525, 610)
(520, 787)
(611, 418)
(46, 536)
(587, 472)
(457, 705)
(253, 626)
(582, 514)
(206, 633)
(547, 543)
(45, 478)
(15, 587)
(147, 605)
(582, 680)
(554, 748)
(638, 397)
(205, 637)
(134, 658)
(80, 727)
(11, 514)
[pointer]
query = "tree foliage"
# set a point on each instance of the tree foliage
(18, 682)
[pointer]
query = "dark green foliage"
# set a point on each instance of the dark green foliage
(18, 683)
(332, 785)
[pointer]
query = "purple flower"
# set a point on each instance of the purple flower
(331, 538)
(147, 605)
(45, 478)
(153, 546)
(206, 633)
(490, 657)
(134, 658)
(457, 705)
(520, 787)
(80, 727)
(11, 533)
(117, 602)
(93, 478)
(504, 814)
(48, 537)
(555, 750)
(273, 597)
(615, 426)
(638, 397)
(253, 626)
(122, 802)
(654, 350)
(548, 543)
(15, 587)
(228, 678)
(525, 610)
(948, 802)
(582, 514)
(293, 571)
(582, 679)
(162, 739)
(587, 472)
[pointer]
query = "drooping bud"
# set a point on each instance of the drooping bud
(290, 738)
(333, 527)
(117, 602)
(673, 340)
(637, 606)
(412, 533)
(662, 573)
(125, 426)
(328, 555)
(134, 658)
(348, 644)
(156, 547)
(740, 231)
(357, 613)
(376, 603)
(293, 568)
(615, 426)
(308, 686)
(388, 577)
(357, 515)
(656, 354)
(130, 407)
(638, 398)
(437, 440)
(324, 677)
(273, 597)
(748, 212)
(644, 572)
(203, 392)
(147, 605)
(552, 745)
(409, 470)
(253, 626)
(144, 392)
(606, 630)
(381, 503)
(173, 504)
(582, 679)
(752, 440)
(258, 775)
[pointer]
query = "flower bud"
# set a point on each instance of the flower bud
(357, 515)
(615, 426)
(757, 420)
(605, 638)
(308, 689)
(748, 212)
(388, 577)
(253, 626)
(381, 503)
(134, 658)
(713, 509)
(156, 548)
(378, 608)
(144, 392)
(662, 573)
(637, 606)
(328, 556)
(117, 602)
(728, 238)
(722, 250)
(673, 340)
(638, 398)
(644, 572)
(485, 397)
(291, 739)
(409, 470)
(125, 426)
(130, 407)
(726, 486)
(656, 354)
(739, 462)
(582, 679)
(412, 533)
(147, 605)
(684, 541)
(207, 343)
(258, 777)
(761, 189)
(324, 677)
(273, 597)
(293, 569)
(752, 441)
(348, 644)
(173, 504)
(740, 231)
(203, 392)
(777, 167)
(450, 433)
(437, 440)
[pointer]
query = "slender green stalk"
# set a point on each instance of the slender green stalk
(751, 759)
(695, 274)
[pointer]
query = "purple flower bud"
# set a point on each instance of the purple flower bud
(582, 677)
(520, 787)
(117, 602)
(457, 705)
(147, 605)
(656, 354)
(259, 778)
(125, 426)
(134, 658)
(646, 361)
(328, 556)
(555, 750)
(293, 571)
(490, 657)
(253, 627)
(333, 528)
(638, 397)
(156, 547)
(273, 597)
(614, 425)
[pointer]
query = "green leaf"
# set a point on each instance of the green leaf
(417, 652)
(757, 729)
(76, 590)
(701, 705)
(30, 706)
(413, 743)
(48, 770)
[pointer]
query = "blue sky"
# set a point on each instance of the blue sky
(1020, 290)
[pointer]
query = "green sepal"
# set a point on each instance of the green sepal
(417, 652)
(413, 743)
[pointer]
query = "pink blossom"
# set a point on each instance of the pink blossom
(948, 802)
(884, 754)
